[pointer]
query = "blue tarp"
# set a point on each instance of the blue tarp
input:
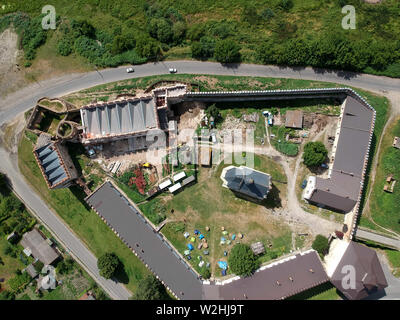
(190, 246)
(201, 236)
(233, 236)
(196, 231)
(223, 265)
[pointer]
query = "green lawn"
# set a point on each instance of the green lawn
(70, 206)
(207, 203)
(324, 291)
(384, 206)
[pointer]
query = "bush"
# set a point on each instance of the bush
(7, 295)
(314, 154)
(242, 260)
(206, 274)
(150, 288)
(321, 245)
(108, 264)
(65, 266)
(64, 47)
(227, 51)
(19, 282)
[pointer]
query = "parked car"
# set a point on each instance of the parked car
(172, 70)
(304, 184)
(324, 165)
(129, 70)
(265, 114)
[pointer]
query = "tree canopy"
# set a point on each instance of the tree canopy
(314, 154)
(108, 264)
(242, 260)
(150, 288)
(227, 51)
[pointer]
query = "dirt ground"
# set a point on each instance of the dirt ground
(189, 118)
(10, 133)
(12, 76)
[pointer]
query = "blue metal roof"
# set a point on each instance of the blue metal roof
(51, 165)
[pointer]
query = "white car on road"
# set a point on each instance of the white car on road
(172, 70)
(129, 70)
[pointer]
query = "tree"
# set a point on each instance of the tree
(147, 47)
(249, 14)
(150, 288)
(285, 5)
(203, 49)
(227, 51)
(314, 154)
(108, 264)
(7, 295)
(242, 260)
(206, 274)
(321, 245)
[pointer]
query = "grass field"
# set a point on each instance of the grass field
(384, 206)
(324, 291)
(70, 206)
(207, 203)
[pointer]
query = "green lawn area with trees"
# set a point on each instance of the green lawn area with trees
(283, 32)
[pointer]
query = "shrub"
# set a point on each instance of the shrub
(64, 47)
(108, 264)
(205, 273)
(321, 245)
(314, 154)
(227, 51)
(19, 282)
(242, 260)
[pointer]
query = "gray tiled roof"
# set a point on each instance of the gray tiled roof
(119, 117)
(341, 191)
(39, 247)
(249, 182)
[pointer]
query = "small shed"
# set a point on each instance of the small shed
(294, 119)
(188, 180)
(164, 184)
(257, 248)
(179, 176)
(175, 187)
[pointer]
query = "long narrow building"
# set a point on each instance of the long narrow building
(342, 190)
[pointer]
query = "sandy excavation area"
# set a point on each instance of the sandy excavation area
(11, 76)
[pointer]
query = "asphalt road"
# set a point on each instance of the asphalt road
(368, 235)
(26, 98)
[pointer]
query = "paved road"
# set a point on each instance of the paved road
(368, 235)
(26, 98)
